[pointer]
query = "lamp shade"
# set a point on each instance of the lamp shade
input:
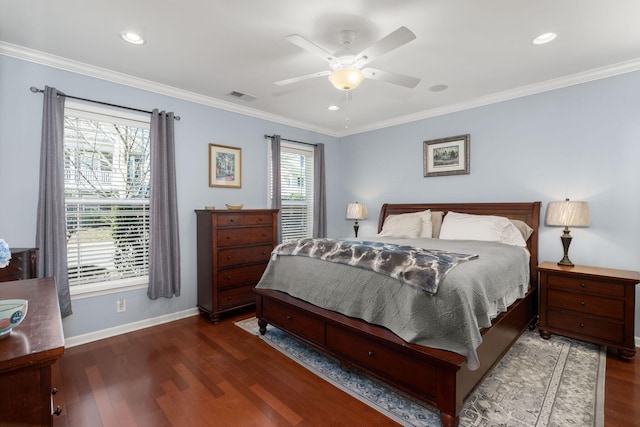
(346, 78)
(568, 214)
(356, 211)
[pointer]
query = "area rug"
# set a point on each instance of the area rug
(555, 382)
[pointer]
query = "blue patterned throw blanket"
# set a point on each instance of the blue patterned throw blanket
(421, 268)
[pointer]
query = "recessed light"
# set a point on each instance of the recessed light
(333, 108)
(544, 38)
(131, 37)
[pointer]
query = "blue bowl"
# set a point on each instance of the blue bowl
(12, 313)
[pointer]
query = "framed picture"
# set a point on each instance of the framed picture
(447, 156)
(225, 166)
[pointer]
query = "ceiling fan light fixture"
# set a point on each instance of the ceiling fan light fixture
(346, 78)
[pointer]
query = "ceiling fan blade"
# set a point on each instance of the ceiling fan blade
(301, 78)
(399, 37)
(391, 77)
(310, 46)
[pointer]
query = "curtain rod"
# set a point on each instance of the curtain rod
(36, 90)
(291, 140)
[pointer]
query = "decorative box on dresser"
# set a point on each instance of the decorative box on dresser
(233, 247)
(27, 353)
(22, 265)
(590, 304)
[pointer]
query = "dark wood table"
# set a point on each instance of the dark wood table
(26, 355)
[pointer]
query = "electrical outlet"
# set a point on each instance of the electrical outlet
(121, 305)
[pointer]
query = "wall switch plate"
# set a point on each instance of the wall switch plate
(121, 305)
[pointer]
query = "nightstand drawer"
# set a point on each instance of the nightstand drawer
(586, 326)
(588, 304)
(585, 285)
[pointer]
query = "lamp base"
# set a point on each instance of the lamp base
(566, 241)
(356, 226)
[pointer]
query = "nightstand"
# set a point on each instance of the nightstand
(590, 304)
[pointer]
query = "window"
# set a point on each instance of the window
(107, 171)
(296, 177)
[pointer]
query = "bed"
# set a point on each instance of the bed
(438, 377)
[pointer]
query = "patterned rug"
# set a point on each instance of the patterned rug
(556, 382)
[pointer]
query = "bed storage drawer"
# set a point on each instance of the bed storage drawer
(382, 360)
(295, 321)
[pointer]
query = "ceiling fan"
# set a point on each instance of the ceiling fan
(346, 70)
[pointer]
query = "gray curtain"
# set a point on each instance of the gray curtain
(51, 229)
(276, 190)
(164, 244)
(319, 193)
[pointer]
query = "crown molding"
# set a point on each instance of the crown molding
(533, 89)
(42, 58)
(77, 67)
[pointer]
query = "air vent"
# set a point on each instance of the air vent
(243, 96)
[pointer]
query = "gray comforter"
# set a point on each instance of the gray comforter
(468, 298)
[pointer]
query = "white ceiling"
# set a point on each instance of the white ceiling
(202, 50)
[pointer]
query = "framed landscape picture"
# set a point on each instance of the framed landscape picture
(447, 156)
(225, 166)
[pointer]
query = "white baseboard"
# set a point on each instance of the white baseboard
(129, 327)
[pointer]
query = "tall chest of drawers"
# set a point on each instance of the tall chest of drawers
(233, 247)
(589, 303)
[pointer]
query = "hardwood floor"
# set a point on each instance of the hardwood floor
(193, 373)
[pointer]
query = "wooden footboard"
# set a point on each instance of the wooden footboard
(437, 377)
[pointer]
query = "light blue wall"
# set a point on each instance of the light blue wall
(20, 125)
(580, 142)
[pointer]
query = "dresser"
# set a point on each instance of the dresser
(21, 266)
(590, 304)
(233, 248)
(27, 354)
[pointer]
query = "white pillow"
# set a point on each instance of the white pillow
(458, 226)
(402, 226)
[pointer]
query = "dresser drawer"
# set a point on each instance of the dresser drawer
(588, 304)
(243, 219)
(377, 357)
(243, 236)
(586, 326)
(294, 320)
(247, 255)
(585, 285)
(236, 297)
(237, 276)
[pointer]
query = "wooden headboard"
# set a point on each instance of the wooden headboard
(528, 212)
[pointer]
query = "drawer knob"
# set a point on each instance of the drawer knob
(20, 269)
(583, 285)
(228, 256)
(54, 391)
(288, 317)
(228, 297)
(582, 325)
(582, 303)
(228, 237)
(58, 411)
(370, 354)
(228, 277)
(231, 220)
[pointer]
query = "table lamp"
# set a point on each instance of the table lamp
(567, 214)
(356, 211)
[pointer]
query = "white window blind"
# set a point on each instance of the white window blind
(107, 171)
(297, 190)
